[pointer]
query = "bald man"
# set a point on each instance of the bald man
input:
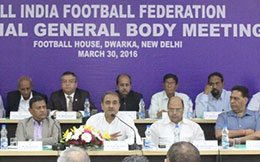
(19, 100)
(183, 152)
(163, 130)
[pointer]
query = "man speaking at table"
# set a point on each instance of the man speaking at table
(109, 120)
(163, 131)
(240, 121)
(69, 98)
(39, 127)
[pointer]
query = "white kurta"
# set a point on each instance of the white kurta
(99, 122)
(163, 131)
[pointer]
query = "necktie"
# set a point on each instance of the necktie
(70, 103)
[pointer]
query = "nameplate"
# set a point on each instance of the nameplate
(206, 145)
(64, 115)
(19, 115)
(30, 145)
(131, 114)
(253, 144)
(115, 146)
(211, 115)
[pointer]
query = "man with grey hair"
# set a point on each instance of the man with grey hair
(19, 100)
(109, 120)
(135, 158)
(183, 152)
(74, 154)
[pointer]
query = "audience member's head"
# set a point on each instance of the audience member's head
(183, 152)
(25, 86)
(123, 83)
(69, 82)
(74, 154)
(135, 158)
(170, 84)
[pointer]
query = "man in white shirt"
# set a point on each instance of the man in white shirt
(254, 103)
(163, 130)
(214, 98)
(108, 122)
(19, 100)
(160, 100)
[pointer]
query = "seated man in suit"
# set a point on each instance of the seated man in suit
(240, 121)
(108, 122)
(69, 98)
(19, 100)
(129, 99)
(162, 131)
(214, 98)
(38, 127)
(160, 100)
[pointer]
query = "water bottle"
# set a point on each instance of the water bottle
(4, 139)
(225, 139)
(141, 109)
(86, 108)
(190, 109)
(177, 134)
(148, 137)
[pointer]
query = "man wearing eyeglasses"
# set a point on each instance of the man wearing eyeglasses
(163, 130)
(69, 98)
(214, 98)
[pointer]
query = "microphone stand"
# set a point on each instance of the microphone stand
(134, 146)
(58, 145)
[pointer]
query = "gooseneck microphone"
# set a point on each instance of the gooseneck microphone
(58, 145)
(134, 146)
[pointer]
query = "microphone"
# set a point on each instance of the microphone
(134, 146)
(58, 145)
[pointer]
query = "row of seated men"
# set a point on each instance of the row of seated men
(241, 122)
(69, 97)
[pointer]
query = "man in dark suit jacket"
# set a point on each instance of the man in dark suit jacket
(59, 100)
(19, 100)
(129, 100)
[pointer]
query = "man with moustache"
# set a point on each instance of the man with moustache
(38, 127)
(240, 121)
(108, 122)
(214, 98)
(129, 99)
(162, 131)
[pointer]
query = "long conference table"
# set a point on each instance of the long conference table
(206, 125)
(117, 156)
(153, 156)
